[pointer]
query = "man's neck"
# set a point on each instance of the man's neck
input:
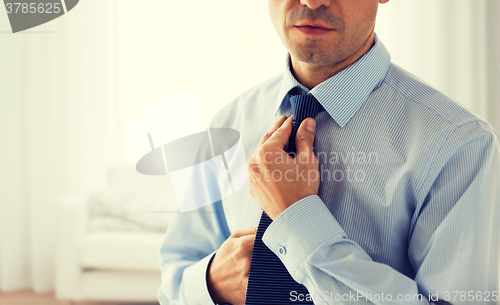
(310, 75)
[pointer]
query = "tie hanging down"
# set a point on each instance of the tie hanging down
(269, 281)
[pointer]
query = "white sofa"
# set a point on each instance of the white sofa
(108, 266)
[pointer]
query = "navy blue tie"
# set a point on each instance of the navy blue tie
(269, 281)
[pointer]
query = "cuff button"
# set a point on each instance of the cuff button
(282, 250)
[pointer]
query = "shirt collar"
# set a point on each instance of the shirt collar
(344, 93)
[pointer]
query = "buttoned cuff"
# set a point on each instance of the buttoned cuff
(299, 231)
(195, 282)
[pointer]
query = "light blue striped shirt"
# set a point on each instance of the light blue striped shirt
(408, 204)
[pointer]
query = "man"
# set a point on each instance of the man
(393, 195)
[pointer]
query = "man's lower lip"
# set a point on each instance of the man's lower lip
(313, 31)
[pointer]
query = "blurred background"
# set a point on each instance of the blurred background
(74, 216)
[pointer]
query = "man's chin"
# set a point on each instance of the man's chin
(313, 56)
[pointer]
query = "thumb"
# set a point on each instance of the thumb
(305, 138)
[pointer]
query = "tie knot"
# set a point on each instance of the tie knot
(304, 106)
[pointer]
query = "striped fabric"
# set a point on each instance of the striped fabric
(408, 204)
(303, 106)
(269, 281)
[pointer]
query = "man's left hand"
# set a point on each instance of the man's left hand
(278, 180)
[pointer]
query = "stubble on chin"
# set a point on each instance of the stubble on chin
(317, 56)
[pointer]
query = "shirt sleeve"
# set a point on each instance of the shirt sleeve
(189, 245)
(453, 245)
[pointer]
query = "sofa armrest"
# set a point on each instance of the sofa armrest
(71, 221)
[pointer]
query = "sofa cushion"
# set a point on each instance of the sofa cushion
(121, 251)
(126, 286)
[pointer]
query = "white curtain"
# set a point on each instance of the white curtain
(445, 43)
(69, 87)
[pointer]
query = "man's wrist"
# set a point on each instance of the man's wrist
(216, 298)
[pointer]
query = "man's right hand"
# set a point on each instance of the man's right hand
(227, 275)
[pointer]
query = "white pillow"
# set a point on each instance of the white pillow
(130, 208)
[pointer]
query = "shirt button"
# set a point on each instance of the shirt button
(282, 250)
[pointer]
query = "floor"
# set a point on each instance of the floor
(29, 298)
